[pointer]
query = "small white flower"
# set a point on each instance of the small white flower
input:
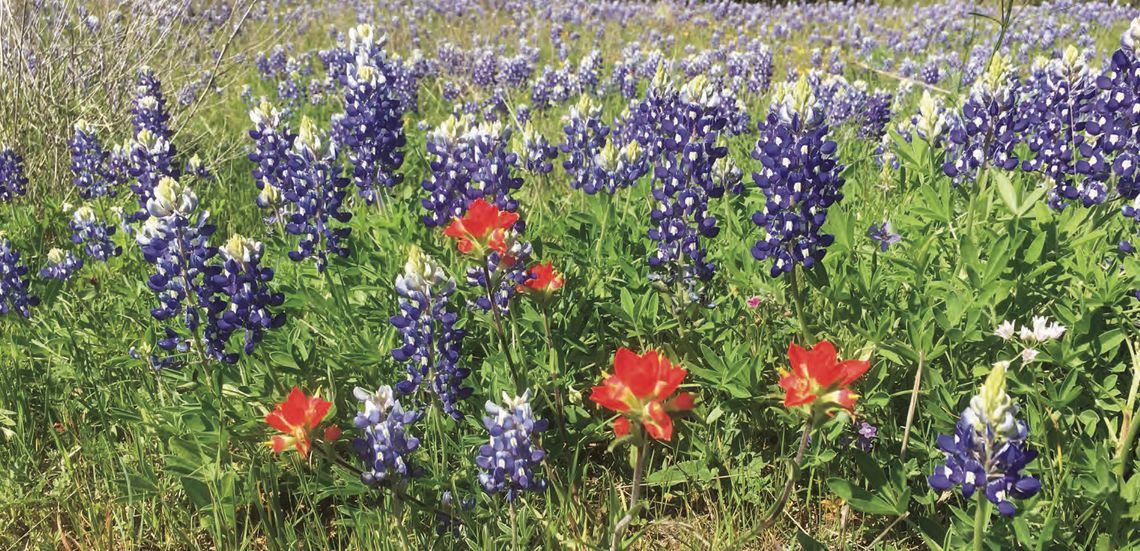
(1028, 355)
(1005, 330)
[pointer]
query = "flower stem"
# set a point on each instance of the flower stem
(634, 495)
(913, 404)
(498, 320)
(795, 284)
(981, 515)
(552, 358)
(778, 507)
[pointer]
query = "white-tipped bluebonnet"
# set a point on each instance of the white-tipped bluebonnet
(1116, 116)
(990, 123)
(987, 449)
(94, 234)
(684, 183)
(371, 129)
(316, 190)
(240, 298)
(13, 183)
(272, 141)
(470, 162)
(14, 295)
(1059, 104)
(149, 109)
(61, 265)
(800, 179)
(586, 135)
(151, 159)
(510, 459)
(89, 164)
(534, 150)
(431, 342)
(175, 239)
(386, 446)
(615, 168)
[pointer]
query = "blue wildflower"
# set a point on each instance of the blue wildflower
(432, 343)
(883, 235)
(61, 265)
(987, 449)
(14, 296)
(386, 446)
(510, 458)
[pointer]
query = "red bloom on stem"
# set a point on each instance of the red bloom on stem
(640, 390)
(297, 417)
(817, 377)
(484, 226)
(544, 279)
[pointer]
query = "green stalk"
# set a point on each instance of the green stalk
(498, 320)
(634, 494)
(797, 290)
(981, 515)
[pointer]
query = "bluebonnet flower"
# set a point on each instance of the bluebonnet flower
(987, 449)
(875, 114)
(316, 190)
(13, 183)
(14, 295)
(990, 123)
(585, 137)
(683, 185)
(61, 265)
(272, 142)
(883, 235)
(175, 240)
(1057, 109)
(89, 163)
(471, 162)
(240, 298)
(149, 109)
(930, 122)
(151, 159)
(534, 150)
(508, 271)
(800, 179)
(1116, 115)
(510, 459)
(447, 184)
(431, 342)
(491, 165)
(613, 168)
(196, 168)
(94, 234)
(553, 86)
(371, 128)
(386, 446)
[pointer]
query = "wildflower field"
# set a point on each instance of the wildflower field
(517, 274)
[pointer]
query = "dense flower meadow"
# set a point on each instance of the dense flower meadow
(619, 275)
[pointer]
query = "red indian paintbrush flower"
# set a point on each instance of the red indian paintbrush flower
(639, 390)
(544, 279)
(297, 417)
(484, 226)
(817, 377)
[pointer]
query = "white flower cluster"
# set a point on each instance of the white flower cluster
(1042, 330)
